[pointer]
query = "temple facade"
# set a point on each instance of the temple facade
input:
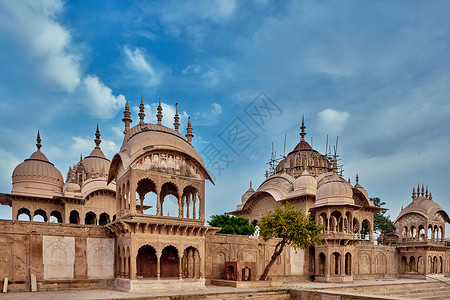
(107, 223)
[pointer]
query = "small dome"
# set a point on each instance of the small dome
(305, 181)
(36, 176)
(96, 164)
(424, 205)
(71, 187)
(334, 191)
(247, 194)
(360, 188)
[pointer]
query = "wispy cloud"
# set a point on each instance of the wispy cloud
(145, 72)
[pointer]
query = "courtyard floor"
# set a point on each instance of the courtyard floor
(209, 289)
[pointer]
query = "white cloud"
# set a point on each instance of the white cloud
(99, 98)
(136, 61)
(216, 109)
(85, 146)
(332, 121)
(212, 77)
(33, 23)
(194, 68)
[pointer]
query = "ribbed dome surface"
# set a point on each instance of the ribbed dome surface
(96, 164)
(37, 176)
(334, 191)
(71, 187)
(305, 181)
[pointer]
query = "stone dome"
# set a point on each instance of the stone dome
(334, 191)
(247, 194)
(96, 164)
(305, 181)
(423, 205)
(36, 176)
(71, 187)
(144, 138)
(303, 157)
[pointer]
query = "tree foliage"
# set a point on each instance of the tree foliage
(292, 227)
(231, 224)
(381, 221)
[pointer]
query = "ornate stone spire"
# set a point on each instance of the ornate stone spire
(303, 133)
(38, 140)
(413, 193)
(422, 193)
(189, 134)
(126, 117)
(141, 113)
(426, 192)
(418, 190)
(430, 197)
(357, 179)
(159, 115)
(97, 138)
(176, 122)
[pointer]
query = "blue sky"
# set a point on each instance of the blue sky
(376, 73)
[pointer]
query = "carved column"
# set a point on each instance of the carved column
(158, 265)
(158, 204)
(342, 270)
(194, 199)
(188, 201)
(133, 268)
(180, 267)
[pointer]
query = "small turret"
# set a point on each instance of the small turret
(141, 113)
(189, 134)
(126, 117)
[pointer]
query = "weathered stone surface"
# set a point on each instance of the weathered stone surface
(58, 257)
(100, 258)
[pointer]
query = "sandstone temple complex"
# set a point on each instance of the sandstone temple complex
(105, 224)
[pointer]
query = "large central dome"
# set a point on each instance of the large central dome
(146, 138)
(302, 158)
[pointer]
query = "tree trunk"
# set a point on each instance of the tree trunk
(278, 249)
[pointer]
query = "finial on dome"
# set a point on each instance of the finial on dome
(189, 134)
(303, 133)
(250, 184)
(97, 138)
(81, 156)
(126, 117)
(267, 174)
(176, 119)
(349, 181)
(430, 197)
(159, 115)
(426, 192)
(422, 193)
(38, 140)
(357, 179)
(418, 190)
(141, 113)
(413, 193)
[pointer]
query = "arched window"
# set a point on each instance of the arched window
(74, 217)
(169, 199)
(40, 216)
(56, 217)
(321, 263)
(23, 214)
(90, 219)
(348, 263)
(104, 219)
(146, 193)
(169, 262)
(146, 262)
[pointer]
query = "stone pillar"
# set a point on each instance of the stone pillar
(158, 204)
(180, 267)
(194, 199)
(327, 264)
(133, 267)
(127, 267)
(141, 199)
(132, 195)
(342, 271)
(158, 266)
(180, 207)
(188, 201)
(122, 266)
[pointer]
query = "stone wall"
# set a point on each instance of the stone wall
(375, 261)
(226, 247)
(54, 251)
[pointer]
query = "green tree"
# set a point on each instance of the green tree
(381, 221)
(292, 227)
(231, 224)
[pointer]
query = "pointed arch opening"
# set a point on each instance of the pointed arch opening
(146, 262)
(40, 216)
(56, 217)
(146, 193)
(24, 214)
(74, 217)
